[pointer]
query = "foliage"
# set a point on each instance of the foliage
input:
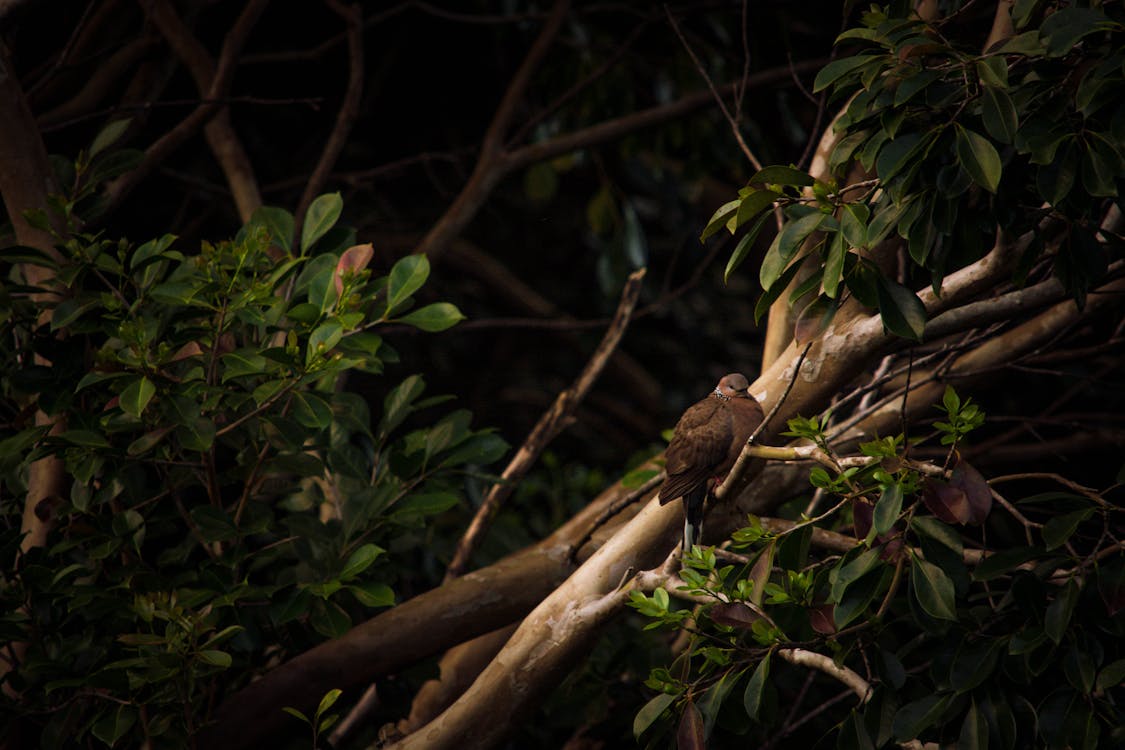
(948, 150)
(230, 504)
(968, 633)
(1016, 648)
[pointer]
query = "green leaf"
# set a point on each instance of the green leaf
(397, 404)
(777, 283)
(136, 396)
(114, 725)
(310, 410)
(887, 509)
(913, 83)
(328, 701)
(70, 310)
(719, 219)
(372, 594)
(108, 135)
(1058, 615)
(324, 338)
(740, 252)
(1003, 561)
(933, 589)
(1000, 118)
(215, 658)
(297, 714)
(433, 318)
(323, 213)
(795, 232)
(752, 698)
(917, 716)
(148, 441)
(853, 223)
(278, 222)
(1059, 529)
(151, 250)
(752, 205)
(837, 69)
(360, 560)
(834, 265)
(993, 71)
(650, 712)
(979, 158)
(1064, 28)
(974, 730)
(903, 313)
(245, 362)
(780, 175)
(407, 276)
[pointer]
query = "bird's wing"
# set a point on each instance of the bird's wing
(701, 442)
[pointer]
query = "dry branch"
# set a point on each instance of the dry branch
(550, 424)
(212, 105)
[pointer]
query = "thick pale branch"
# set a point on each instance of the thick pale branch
(804, 658)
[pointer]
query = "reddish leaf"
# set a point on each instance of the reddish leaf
(734, 614)
(353, 260)
(978, 496)
(964, 499)
(862, 513)
(822, 620)
(190, 349)
(689, 735)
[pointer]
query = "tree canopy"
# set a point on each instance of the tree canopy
(341, 343)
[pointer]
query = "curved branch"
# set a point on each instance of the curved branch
(803, 658)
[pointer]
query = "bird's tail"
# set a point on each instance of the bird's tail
(693, 516)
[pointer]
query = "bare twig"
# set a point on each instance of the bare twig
(218, 87)
(349, 109)
(732, 121)
(553, 421)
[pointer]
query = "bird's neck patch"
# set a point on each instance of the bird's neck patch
(720, 395)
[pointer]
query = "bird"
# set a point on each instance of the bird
(706, 442)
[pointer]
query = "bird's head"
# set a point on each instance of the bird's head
(734, 385)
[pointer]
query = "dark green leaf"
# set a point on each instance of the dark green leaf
(112, 726)
(108, 135)
(1003, 562)
(837, 69)
(933, 588)
(1059, 529)
(853, 223)
(1057, 619)
(902, 312)
(323, 213)
(310, 410)
(752, 205)
(782, 176)
(917, 716)
(70, 310)
(752, 698)
(887, 509)
(814, 320)
(913, 83)
(278, 222)
(650, 712)
(974, 730)
(719, 219)
(777, 286)
(360, 561)
(136, 396)
(979, 158)
(795, 232)
(407, 276)
(1000, 118)
(1065, 27)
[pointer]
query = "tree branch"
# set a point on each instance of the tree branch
(553, 421)
(349, 109)
(803, 658)
(214, 94)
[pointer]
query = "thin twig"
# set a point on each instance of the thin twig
(346, 117)
(553, 422)
(731, 120)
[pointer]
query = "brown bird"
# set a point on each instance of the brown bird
(706, 443)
